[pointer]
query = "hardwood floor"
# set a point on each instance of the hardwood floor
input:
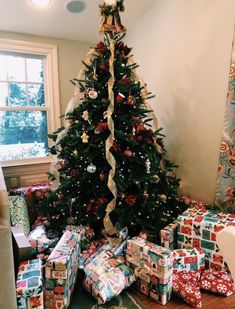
(209, 301)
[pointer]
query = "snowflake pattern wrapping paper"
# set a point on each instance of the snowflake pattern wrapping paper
(219, 282)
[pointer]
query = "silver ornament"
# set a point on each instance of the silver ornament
(91, 168)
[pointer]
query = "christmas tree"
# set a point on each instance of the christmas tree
(112, 172)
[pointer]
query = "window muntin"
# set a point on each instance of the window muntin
(37, 109)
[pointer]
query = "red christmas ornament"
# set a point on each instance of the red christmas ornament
(130, 200)
(128, 153)
(126, 81)
(120, 97)
(101, 47)
(103, 67)
(102, 126)
(140, 128)
(74, 173)
(103, 100)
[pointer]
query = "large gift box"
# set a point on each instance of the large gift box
(106, 275)
(29, 285)
(190, 259)
(153, 267)
(198, 228)
(61, 271)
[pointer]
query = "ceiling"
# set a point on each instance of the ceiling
(54, 21)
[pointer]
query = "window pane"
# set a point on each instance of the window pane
(36, 94)
(3, 94)
(35, 70)
(3, 68)
(23, 135)
(18, 94)
(16, 68)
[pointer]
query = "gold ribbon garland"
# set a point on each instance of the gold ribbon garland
(109, 228)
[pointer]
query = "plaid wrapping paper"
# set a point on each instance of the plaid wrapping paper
(153, 267)
(169, 236)
(61, 271)
(29, 285)
(190, 259)
(198, 228)
(106, 276)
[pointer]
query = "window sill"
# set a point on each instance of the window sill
(26, 172)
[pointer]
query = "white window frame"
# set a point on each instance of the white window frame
(51, 88)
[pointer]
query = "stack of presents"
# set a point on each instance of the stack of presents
(187, 261)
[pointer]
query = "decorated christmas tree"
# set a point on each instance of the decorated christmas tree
(109, 164)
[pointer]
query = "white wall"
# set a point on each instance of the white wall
(184, 49)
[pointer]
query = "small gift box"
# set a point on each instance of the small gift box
(61, 271)
(189, 259)
(29, 287)
(185, 285)
(153, 267)
(106, 275)
(219, 282)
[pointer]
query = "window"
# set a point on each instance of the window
(29, 101)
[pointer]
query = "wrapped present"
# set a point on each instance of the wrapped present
(198, 228)
(219, 282)
(61, 271)
(84, 232)
(189, 259)
(196, 204)
(153, 267)
(29, 287)
(33, 194)
(106, 275)
(39, 240)
(90, 250)
(19, 213)
(185, 285)
(169, 236)
(143, 253)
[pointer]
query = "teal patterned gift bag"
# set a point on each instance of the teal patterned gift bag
(19, 213)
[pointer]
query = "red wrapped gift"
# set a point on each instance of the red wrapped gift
(217, 281)
(193, 203)
(185, 285)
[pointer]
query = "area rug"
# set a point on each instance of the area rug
(81, 299)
